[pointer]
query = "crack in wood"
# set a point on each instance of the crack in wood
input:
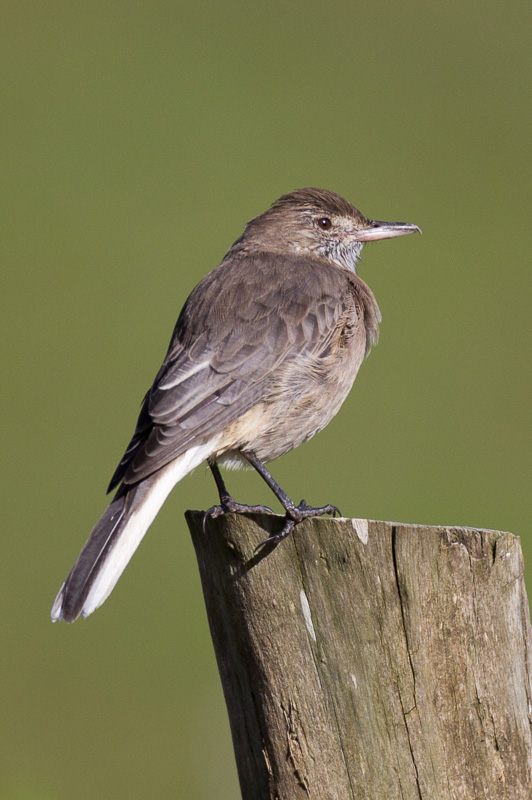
(411, 663)
(433, 624)
(294, 748)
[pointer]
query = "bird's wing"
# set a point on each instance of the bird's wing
(237, 326)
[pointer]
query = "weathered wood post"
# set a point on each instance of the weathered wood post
(371, 660)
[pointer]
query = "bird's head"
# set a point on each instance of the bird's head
(320, 223)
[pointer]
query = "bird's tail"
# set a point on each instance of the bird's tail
(117, 535)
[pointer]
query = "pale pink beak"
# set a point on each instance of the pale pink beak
(385, 230)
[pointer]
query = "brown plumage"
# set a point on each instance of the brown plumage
(263, 354)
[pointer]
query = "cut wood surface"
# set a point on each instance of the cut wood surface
(371, 660)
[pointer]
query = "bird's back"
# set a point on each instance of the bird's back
(255, 329)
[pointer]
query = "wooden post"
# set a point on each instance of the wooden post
(371, 660)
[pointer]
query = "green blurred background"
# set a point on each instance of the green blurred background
(137, 139)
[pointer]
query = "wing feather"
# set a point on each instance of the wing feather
(240, 322)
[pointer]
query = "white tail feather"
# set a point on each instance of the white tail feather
(139, 522)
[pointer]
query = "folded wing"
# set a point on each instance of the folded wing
(238, 325)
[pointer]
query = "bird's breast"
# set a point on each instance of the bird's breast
(304, 395)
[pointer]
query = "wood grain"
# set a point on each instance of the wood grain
(370, 660)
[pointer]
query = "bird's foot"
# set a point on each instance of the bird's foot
(228, 505)
(296, 514)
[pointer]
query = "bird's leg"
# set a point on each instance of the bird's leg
(227, 502)
(294, 514)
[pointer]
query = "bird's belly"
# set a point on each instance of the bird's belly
(301, 401)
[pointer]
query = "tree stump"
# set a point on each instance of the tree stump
(371, 660)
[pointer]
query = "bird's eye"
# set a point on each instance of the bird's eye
(324, 223)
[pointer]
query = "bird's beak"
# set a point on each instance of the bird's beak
(385, 230)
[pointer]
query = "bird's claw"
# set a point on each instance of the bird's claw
(302, 511)
(230, 506)
(294, 515)
(275, 538)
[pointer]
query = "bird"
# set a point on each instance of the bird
(264, 352)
